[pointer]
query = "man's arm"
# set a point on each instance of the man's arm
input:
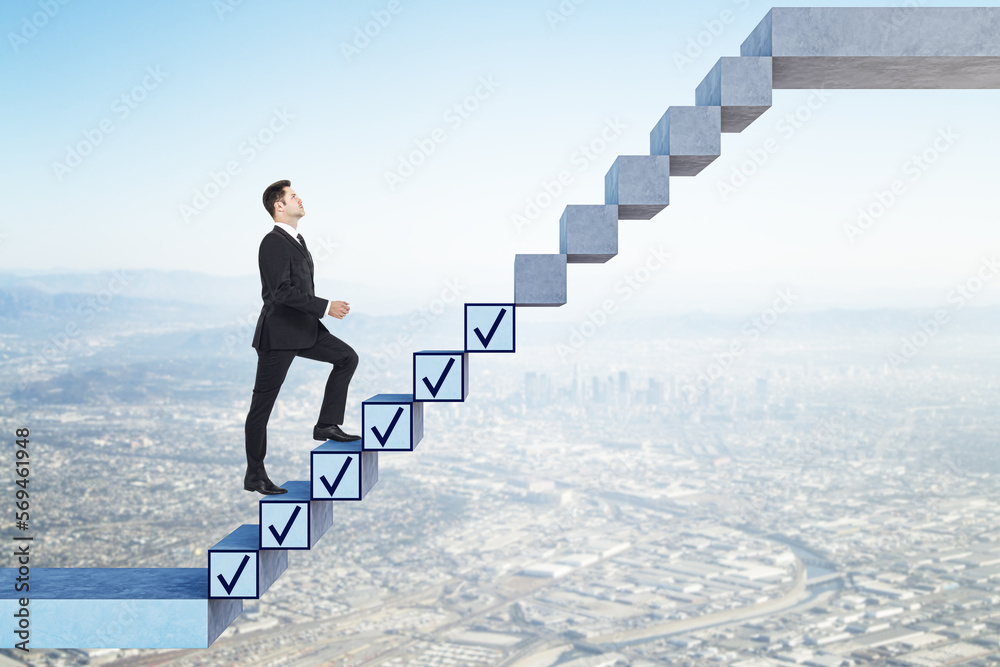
(275, 263)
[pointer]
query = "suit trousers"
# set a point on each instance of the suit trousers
(272, 366)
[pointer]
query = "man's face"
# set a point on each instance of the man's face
(291, 204)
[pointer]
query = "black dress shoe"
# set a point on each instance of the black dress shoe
(333, 432)
(265, 486)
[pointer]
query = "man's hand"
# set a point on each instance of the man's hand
(339, 308)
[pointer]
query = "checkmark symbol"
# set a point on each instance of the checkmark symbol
(230, 585)
(331, 488)
(388, 431)
(280, 537)
(493, 329)
(436, 387)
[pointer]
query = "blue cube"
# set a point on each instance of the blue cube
(342, 471)
(391, 422)
(489, 327)
(440, 375)
(237, 568)
(293, 520)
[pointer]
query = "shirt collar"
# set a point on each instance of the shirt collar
(289, 229)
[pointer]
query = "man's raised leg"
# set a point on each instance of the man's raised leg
(332, 350)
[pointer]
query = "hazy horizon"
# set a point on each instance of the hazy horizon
(801, 198)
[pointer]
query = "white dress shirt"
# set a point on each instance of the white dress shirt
(294, 233)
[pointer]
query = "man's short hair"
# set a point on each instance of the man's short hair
(273, 194)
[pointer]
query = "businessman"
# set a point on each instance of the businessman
(289, 326)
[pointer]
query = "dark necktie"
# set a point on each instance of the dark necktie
(302, 241)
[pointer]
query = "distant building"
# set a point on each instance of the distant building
(575, 395)
(654, 396)
(537, 391)
(596, 394)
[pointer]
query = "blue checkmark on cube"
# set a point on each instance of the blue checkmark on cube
(230, 584)
(489, 327)
(293, 520)
(342, 471)
(284, 525)
(332, 480)
(233, 574)
(440, 375)
(239, 568)
(392, 422)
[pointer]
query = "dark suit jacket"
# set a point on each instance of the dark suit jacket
(289, 319)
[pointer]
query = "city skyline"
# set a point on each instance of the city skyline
(635, 531)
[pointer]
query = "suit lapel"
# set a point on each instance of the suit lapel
(309, 255)
(305, 254)
(285, 235)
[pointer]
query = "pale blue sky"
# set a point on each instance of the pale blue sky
(555, 88)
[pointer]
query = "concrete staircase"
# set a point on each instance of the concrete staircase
(791, 48)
